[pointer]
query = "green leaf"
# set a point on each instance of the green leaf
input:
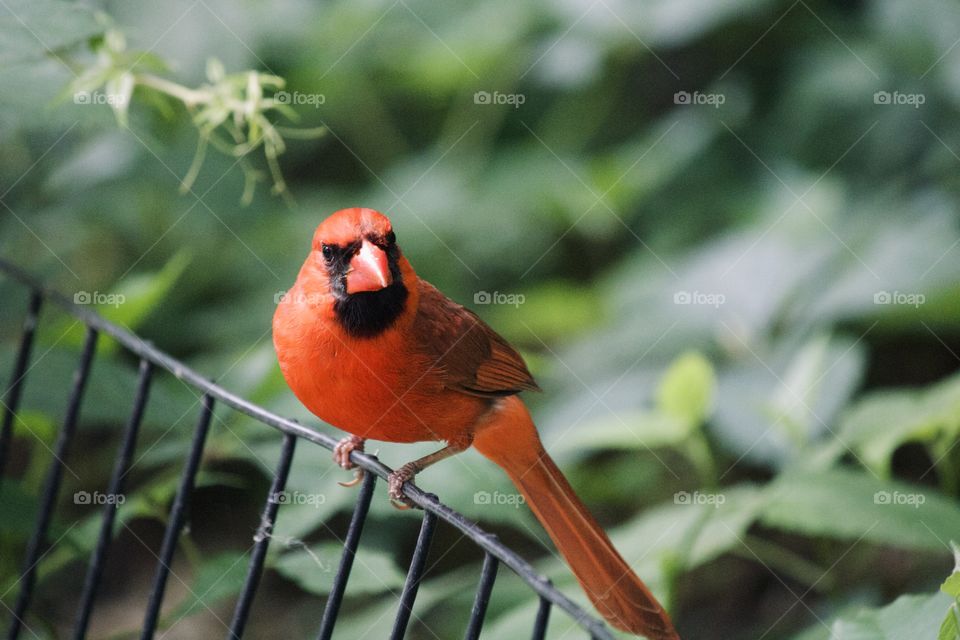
(951, 586)
(128, 304)
(686, 390)
(950, 628)
(881, 422)
(906, 618)
(792, 402)
(627, 430)
(313, 568)
(517, 623)
(692, 530)
(37, 424)
(140, 294)
(120, 90)
(697, 528)
(856, 506)
(551, 312)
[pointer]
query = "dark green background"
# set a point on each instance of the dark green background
(792, 208)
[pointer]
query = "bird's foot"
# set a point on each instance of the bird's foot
(395, 483)
(341, 455)
(343, 449)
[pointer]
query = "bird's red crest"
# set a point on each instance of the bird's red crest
(348, 225)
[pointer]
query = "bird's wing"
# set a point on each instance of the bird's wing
(471, 356)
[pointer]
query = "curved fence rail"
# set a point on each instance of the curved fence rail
(151, 359)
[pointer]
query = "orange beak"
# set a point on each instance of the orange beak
(369, 270)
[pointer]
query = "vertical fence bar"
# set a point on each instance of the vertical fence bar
(346, 560)
(11, 397)
(543, 617)
(414, 576)
(175, 524)
(262, 539)
(51, 484)
(487, 576)
(124, 456)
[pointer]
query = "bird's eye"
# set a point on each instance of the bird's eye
(391, 237)
(327, 252)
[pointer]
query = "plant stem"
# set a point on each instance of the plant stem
(697, 450)
(188, 96)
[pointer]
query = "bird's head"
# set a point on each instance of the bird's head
(356, 249)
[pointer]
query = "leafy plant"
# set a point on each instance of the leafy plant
(232, 112)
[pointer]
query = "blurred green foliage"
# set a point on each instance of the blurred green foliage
(732, 225)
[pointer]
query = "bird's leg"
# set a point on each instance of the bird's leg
(407, 472)
(341, 455)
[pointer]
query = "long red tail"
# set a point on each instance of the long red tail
(509, 439)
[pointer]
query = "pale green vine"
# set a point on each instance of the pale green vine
(232, 112)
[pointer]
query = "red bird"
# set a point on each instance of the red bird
(374, 350)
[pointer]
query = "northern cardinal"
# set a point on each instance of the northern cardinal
(374, 350)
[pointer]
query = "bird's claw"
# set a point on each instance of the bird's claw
(341, 455)
(357, 477)
(395, 482)
(343, 449)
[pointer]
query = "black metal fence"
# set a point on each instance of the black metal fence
(151, 360)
